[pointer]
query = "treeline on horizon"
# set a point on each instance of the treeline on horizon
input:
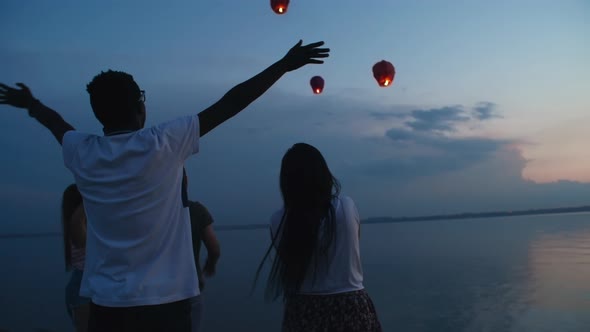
(475, 215)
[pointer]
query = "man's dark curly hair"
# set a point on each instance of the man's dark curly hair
(114, 98)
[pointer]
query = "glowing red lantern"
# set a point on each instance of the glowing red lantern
(317, 84)
(384, 72)
(279, 6)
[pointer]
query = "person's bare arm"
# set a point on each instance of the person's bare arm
(213, 250)
(240, 96)
(78, 227)
(23, 98)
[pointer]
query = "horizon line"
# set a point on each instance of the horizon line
(372, 220)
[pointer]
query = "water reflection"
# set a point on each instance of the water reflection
(559, 279)
(514, 275)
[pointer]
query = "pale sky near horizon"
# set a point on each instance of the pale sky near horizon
(488, 109)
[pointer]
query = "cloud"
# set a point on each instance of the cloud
(485, 111)
(427, 143)
(440, 154)
(399, 134)
(442, 119)
(447, 143)
(437, 119)
(387, 115)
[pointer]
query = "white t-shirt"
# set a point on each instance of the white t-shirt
(139, 247)
(340, 270)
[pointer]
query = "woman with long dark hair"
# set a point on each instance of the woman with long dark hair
(74, 236)
(317, 267)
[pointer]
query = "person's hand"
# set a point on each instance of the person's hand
(299, 56)
(21, 98)
(209, 270)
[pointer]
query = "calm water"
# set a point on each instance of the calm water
(504, 274)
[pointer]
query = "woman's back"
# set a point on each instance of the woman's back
(340, 269)
(317, 268)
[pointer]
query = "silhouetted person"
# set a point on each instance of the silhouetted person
(74, 237)
(202, 231)
(317, 269)
(140, 271)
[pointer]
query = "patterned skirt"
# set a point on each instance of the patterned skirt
(343, 312)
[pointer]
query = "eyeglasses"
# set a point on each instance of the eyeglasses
(142, 96)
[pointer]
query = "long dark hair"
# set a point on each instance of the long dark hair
(307, 226)
(70, 201)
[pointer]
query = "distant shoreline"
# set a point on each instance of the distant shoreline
(374, 220)
(478, 215)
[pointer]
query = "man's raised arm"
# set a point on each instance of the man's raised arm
(23, 98)
(245, 93)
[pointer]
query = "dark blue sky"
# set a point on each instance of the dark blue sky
(488, 109)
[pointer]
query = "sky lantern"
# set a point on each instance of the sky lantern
(279, 6)
(384, 72)
(317, 84)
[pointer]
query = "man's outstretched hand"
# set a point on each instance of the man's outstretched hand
(21, 98)
(299, 56)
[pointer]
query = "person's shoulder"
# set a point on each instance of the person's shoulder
(180, 122)
(196, 206)
(180, 136)
(346, 208)
(276, 217)
(72, 143)
(345, 200)
(74, 135)
(73, 139)
(199, 212)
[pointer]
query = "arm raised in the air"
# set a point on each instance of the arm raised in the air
(240, 96)
(23, 98)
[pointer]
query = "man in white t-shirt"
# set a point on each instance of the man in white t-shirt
(140, 270)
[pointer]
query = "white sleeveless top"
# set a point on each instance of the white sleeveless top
(340, 270)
